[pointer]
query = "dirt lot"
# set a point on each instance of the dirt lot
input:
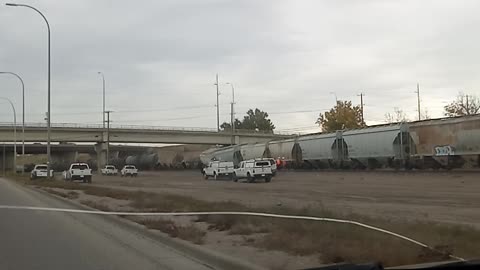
(437, 196)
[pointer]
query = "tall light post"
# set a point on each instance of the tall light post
(103, 79)
(23, 109)
(232, 112)
(14, 134)
(48, 95)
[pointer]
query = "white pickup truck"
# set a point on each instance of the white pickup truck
(217, 169)
(109, 170)
(129, 170)
(40, 171)
(253, 169)
(78, 171)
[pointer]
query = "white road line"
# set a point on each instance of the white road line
(15, 207)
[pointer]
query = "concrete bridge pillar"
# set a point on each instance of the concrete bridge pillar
(101, 150)
(236, 139)
(61, 160)
(8, 161)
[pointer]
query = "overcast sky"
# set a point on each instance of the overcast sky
(285, 57)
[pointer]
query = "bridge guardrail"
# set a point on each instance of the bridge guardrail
(140, 127)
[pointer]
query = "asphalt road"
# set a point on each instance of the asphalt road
(51, 240)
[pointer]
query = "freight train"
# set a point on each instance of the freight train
(437, 143)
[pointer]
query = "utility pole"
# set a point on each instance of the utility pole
(361, 106)
(218, 107)
(108, 137)
(418, 102)
(232, 113)
(3, 165)
(468, 109)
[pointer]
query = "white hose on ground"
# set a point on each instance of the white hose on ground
(225, 213)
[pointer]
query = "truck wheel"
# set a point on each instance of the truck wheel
(250, 178)
(268, 179)
(214, 175)
(32, 177)
(85, 180)
(235, 178)
(90, 179)
(205, 176)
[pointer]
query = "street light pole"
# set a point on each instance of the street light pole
(103, 79)
(14, 134)
(48, 95)
(23, 111)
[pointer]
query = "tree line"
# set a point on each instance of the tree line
(345, 115)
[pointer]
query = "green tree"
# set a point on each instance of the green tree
(254, 120)
(342, 116)
(463, 105)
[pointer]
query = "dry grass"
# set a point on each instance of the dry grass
(96, 205)
(189, 233)
(67, 195)
(331, 242)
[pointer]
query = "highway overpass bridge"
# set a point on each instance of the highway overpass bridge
(96, 136)
(37, 132)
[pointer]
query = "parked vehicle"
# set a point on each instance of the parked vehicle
(129, 170)
(78, 171)
(109, 170)
(273, 164)
(253, 169)
(217, 169)
(40, 171)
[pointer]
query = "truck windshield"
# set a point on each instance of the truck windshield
(79, 167)
(41, 167)
(129, 167)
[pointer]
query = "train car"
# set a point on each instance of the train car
(222, 154)
(320, 151)
(253, 151)
(287, 152)
(378, 146)
(447, 143)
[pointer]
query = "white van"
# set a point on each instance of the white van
(217, 169)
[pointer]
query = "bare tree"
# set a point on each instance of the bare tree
(397, 116)
(426, 114)
(463, 105)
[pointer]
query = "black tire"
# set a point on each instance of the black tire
(33, 176)
(250, 178)
(205, 176)
(235, 178)
(268, 179)
(215, 176)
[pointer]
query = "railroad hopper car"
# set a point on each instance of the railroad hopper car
(446, 143)
(438, 143)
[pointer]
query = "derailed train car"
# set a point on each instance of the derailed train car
(438, 143)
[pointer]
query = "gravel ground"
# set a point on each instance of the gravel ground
(436, 196)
